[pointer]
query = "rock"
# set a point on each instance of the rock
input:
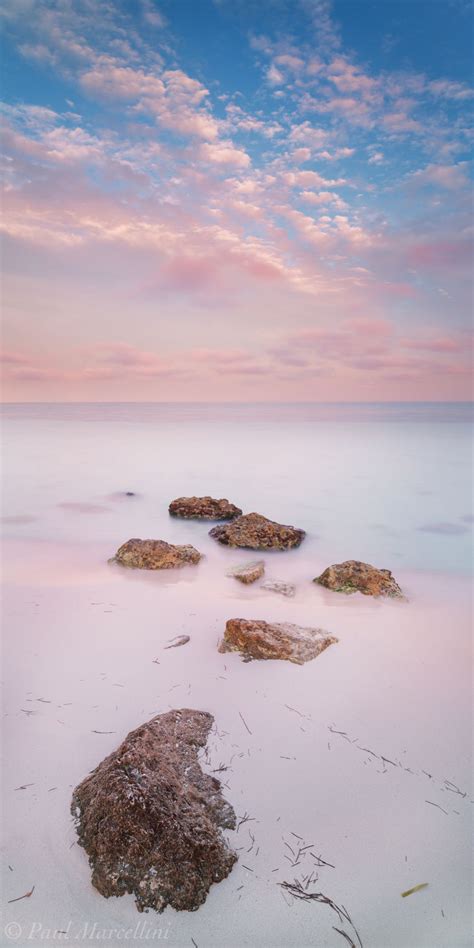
(149, 818)
(255, 638)
(204, 508)
(285, 589)
(154, 554)
(353, 576)
(255, 532)
(179, 640)
(249, 572)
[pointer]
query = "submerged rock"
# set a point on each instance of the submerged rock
(204, 508)
(285, 589)
(255, 532)
(149, 818)
(353, 576)
(255, 638)
(155, 554)
(249, 572)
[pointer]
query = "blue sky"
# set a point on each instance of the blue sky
(228, 199)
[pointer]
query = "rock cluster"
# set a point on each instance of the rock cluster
(150, 820)
(203, 508)
(155, 554)
(255, 638)
(255, 532)
(353, 576)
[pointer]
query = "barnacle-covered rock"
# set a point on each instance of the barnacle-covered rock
(150, 820)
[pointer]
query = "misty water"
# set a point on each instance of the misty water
(389, 484)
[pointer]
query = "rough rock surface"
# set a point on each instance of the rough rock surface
(149, 818)
(255, 638)
(154, 554)
(255, 532)
(249, 572)
(285, 589)
(353, 576)
(204, 508)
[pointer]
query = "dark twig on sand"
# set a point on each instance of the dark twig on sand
(437, 806)
(246, 818)
(20, 897)
(244, 721)
(322, 862)
(295, 710)
(454, 789)
(296, 890)
(344, 935)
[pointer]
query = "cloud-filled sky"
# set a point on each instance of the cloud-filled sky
(232, 200)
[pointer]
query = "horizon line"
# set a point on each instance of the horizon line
(239, 402)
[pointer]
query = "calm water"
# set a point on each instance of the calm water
(386, 483)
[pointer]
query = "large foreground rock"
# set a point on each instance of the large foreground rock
(255, 638)
(149, 818)
(155, 554)
(255, 532)
(204, 508)
(353, 576)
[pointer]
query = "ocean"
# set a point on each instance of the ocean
(388, 483)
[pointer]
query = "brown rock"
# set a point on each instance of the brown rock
(255, 532)
(249, 572)
(155, 554)
(203, 508)
(149, 818)
(353, 576)
(255, 638)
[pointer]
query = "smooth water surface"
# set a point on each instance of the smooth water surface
(386, 483)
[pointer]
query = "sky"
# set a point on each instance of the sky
(237, 200)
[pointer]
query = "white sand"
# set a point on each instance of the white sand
(80, 639)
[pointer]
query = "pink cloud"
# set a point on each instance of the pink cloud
(323, 197)
(173, 98)
(13, 358)
(224, 153)
(399, 122)
(347, 78)
(450, 90)
(274, 76)
(436, 254)
(311, 179)
(289, 61)
(450, 177)
(434, 344)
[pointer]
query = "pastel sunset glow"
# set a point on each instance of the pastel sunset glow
(223, 200)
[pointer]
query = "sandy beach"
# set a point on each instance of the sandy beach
(363, 753)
